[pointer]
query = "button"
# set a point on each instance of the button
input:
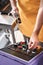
(22, 43)
(20, 47)
(34, 50)
(28, 51)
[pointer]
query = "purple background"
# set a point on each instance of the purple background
(8, 59)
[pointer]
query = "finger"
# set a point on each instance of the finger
(29, 45)
(36, 45)
(33, 46)
(10, 14)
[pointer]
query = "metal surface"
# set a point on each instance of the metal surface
(8, 22)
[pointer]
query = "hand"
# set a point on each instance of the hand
(33, 43)
(13, 11)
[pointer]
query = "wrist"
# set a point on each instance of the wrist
(34, 35)
(14, 8)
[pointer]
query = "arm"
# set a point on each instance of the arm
(39, 21)
(34, 37)
(14, 7)
(13, 4)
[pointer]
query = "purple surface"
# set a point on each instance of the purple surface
(8, 59)
(37, 60)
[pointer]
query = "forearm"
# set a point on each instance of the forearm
(13, 4)
(39, 22)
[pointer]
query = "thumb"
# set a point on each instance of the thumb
(29, 44)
